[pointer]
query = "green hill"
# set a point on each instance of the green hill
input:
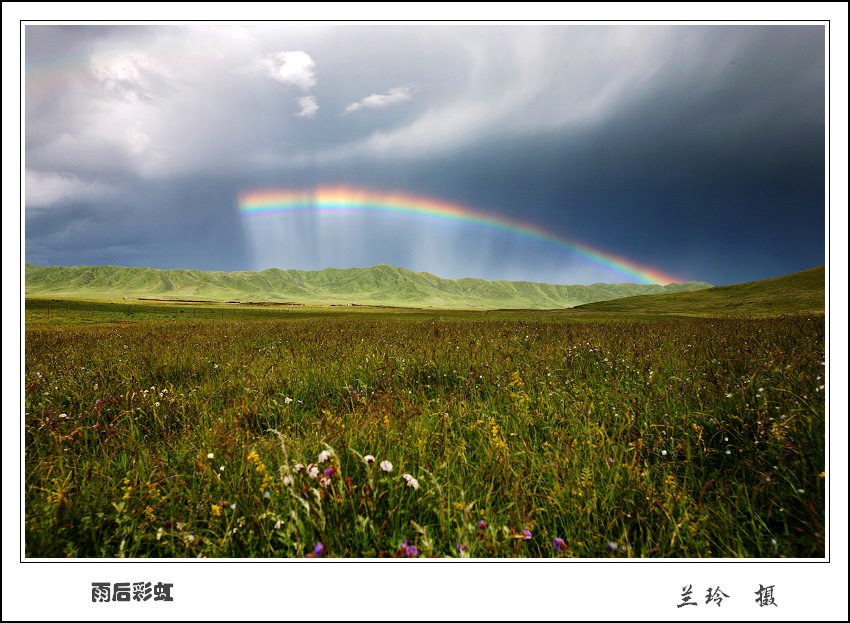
(798, 292)
(378, 285)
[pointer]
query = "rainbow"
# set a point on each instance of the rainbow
(329, 199)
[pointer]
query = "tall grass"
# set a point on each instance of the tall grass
(668, 438)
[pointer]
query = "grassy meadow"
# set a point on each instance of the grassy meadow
(157, 429)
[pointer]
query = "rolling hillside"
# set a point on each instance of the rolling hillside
(378, 285)
(794, 293)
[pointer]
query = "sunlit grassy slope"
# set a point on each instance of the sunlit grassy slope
(798, 292)
(378, 285)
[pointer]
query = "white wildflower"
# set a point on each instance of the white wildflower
(386, 466)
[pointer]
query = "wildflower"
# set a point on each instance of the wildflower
(612, 546)
(278, 524)
(728, 452)
(63, 416)
(461, 548)
(800, 491)
(411, 481)
(412, 552)
(526, 534)
(221, 468)
(312, 471)
(190, 537)
(159, 534)
(267, 494)
(610, 461)
(664, 453)
(287, 400)
(559, 544)
(318, 550)
(370, 460)
(324, 482)
(298, 467)
(215, 509)
(287, 481)
(210, 456)
(324, 455)
(482, 525)
(386, 466)
(330, 471)
(233, 506)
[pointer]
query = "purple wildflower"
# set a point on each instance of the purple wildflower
(482, 525)
(526, 534)
(319, 550)
(408, 551)
(559, 544)
(612, 547)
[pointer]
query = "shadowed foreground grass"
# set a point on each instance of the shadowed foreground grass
(512, 436)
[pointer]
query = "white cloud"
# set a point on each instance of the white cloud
(308, 107)
(137, 142)
(393, 96)
(46, 188)
(295, 67)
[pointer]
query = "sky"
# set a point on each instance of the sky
(561, 153)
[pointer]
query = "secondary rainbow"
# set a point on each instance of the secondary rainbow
(328, 199)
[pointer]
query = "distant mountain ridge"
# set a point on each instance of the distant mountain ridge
(377, 285)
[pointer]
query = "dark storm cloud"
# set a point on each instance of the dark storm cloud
(720, 176)
(190, 223)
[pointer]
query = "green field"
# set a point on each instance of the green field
(156, 429)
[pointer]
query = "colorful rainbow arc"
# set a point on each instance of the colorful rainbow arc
(348, 199)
